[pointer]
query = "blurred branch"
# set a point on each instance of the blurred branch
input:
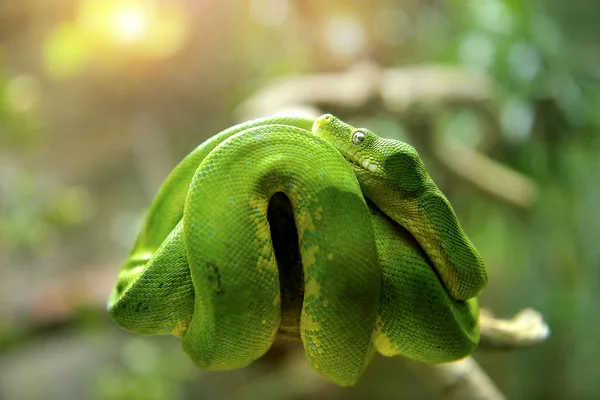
(399, 90)
(525, 329)
(402, 88)
(351, 89)
(484, 173)
(464, 380)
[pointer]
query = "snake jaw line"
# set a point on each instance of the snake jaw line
(349, 151)
(364, 166)
(368, 165)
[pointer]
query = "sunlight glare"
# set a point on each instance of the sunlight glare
(130, 22)
(139, 27)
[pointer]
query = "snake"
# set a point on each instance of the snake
(385, 266)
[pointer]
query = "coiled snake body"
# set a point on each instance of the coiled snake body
(393, 274)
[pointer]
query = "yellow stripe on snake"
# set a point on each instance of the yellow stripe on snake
(386, 266)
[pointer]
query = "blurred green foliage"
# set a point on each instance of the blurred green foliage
(89, 130)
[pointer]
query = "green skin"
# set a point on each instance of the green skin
(203, 267)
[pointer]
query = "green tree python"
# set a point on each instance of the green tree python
(385, 265)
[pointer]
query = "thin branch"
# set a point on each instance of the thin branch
(460, 380)
(525, 329)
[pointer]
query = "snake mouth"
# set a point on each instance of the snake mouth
(348, 150)
(364, 166)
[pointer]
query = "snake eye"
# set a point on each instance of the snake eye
(358, 137)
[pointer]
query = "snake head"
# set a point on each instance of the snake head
(392, 175)
(377, 162)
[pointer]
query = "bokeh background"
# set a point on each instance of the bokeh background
(99, 99)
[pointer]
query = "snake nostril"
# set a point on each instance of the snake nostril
(323, 121)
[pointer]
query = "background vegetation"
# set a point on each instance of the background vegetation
(99, 99)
